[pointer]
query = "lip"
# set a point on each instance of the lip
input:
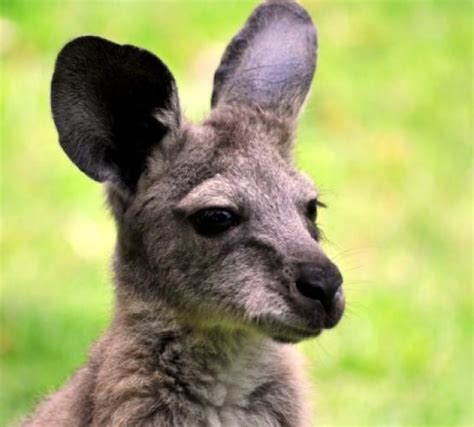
(293, 334)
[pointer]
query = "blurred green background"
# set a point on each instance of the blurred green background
(387, 135)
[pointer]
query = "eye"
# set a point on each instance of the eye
(312, 209)
(213, 221)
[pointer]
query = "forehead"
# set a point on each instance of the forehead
(249, 162)
(239, 154)
(261, 169)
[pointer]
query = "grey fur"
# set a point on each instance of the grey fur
(201, 325)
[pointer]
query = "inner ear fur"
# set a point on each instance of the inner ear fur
(270, 63)
(111, 105)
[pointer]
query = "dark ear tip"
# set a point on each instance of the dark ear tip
(80, 44)
(82, 40)
(77, 53)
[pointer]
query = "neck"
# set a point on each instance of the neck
(207, 349)
(206, 372)
(210, 364)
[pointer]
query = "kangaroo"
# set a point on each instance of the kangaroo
(218, 267)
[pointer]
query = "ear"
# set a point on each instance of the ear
(270, 63)
(108, 104)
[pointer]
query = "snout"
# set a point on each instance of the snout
(317, 292)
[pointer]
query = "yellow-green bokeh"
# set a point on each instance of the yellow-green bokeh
(387, 135)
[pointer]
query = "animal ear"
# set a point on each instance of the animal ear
(270, 63)
(109, 102)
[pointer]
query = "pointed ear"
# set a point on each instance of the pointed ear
(270, 63)
(108, 103)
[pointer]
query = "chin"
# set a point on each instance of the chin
(286, 331)
(294, 338)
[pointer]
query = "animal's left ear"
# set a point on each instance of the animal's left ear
(270, 63)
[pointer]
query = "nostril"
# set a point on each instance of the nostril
(320, 284)
(315, 291)
(310, 290)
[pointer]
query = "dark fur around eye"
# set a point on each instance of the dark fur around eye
(213, 221)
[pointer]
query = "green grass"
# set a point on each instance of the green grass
(387, 135)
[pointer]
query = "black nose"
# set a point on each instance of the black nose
(319, 282)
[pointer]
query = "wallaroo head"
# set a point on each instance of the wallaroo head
(214, 223)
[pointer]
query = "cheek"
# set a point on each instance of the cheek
(244, 280)
(178, 258)
(194, 272)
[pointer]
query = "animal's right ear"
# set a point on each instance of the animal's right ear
(111, 105)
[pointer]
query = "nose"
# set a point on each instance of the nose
(319, 282)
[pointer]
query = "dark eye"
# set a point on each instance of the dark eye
(209, 222)
(312, 209)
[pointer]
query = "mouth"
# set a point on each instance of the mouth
(309, 318)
